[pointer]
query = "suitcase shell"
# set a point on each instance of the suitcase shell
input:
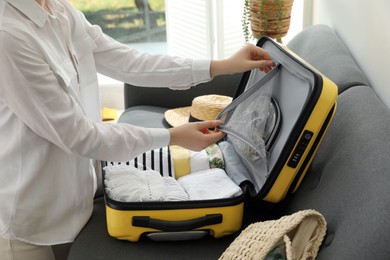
(307, 102)
(174, 220)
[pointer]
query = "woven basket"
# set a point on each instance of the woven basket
(270, 17)
(300, 235)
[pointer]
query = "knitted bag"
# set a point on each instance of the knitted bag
(298, 235)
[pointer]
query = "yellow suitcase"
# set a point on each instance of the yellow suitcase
(298, 104)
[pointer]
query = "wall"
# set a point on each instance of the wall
(364, 27)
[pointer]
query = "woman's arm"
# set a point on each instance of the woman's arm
(247, 58)
(144, 69)
(195, 136)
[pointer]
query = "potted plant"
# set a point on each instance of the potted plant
(266, 17)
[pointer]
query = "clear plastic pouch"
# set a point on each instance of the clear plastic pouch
(251, 122)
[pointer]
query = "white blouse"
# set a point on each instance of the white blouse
(50, 122)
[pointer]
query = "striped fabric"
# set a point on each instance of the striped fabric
(175, 161)
(159, 160)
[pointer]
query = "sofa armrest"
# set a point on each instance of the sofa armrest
(168, 98)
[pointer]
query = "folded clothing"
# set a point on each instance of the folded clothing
(234, 167)
(209, 184)
(209, 158)
(174, 192)
(128, 184)
(181, 160)
(186, 161)
(199, 161)
(215, 155)
(175, 161)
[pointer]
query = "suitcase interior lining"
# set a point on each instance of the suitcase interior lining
(291, 88)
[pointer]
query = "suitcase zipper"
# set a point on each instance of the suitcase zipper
(242, 97)
(250, 90)
(258, 178)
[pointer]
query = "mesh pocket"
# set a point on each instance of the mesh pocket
(250, 122)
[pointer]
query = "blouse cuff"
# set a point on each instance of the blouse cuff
(201, 71)
(161, 137)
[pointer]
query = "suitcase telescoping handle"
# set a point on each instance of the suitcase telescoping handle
(175, 226)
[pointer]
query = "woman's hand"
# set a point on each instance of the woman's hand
(195, 136)
(247, 58)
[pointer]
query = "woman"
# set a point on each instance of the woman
(50, 126)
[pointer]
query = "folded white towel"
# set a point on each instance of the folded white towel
(174, 192)
(209, 184)
(128, 184)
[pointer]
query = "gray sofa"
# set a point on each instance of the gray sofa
(348, 181)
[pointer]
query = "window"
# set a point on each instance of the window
(140, 24)
(189, 28)
(128, 21)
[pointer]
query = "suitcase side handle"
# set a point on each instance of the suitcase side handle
(174, 226)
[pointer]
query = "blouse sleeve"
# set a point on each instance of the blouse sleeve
(34, 93)
(120, 62)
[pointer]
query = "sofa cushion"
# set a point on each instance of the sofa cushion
(323, 49)
(349, 179)
(165, 97)
(145, 116)
(151, 103)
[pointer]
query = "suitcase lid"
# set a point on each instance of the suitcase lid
(268, 113)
